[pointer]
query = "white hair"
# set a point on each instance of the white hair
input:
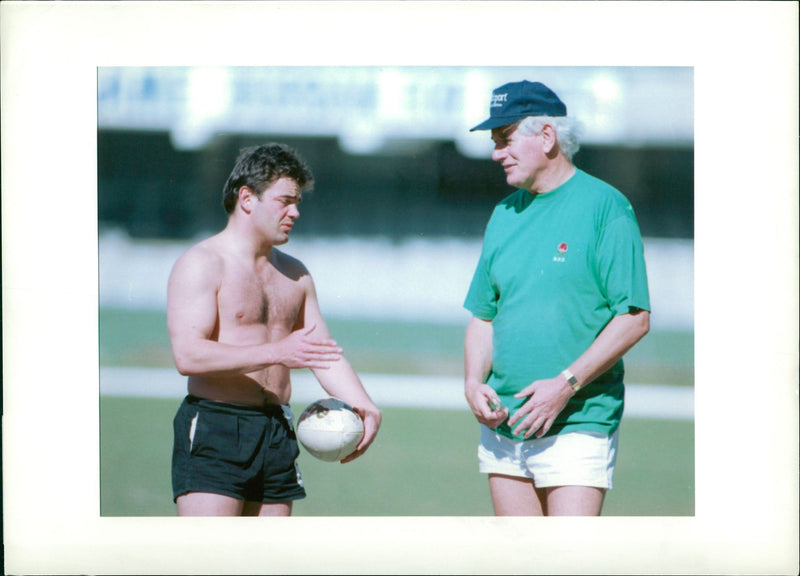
(568, 131)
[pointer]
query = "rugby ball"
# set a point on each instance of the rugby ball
(329, 429)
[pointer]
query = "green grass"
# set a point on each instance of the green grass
(139, 338)
(134, 338)
(423, 463)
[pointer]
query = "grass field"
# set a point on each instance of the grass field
(423, 462)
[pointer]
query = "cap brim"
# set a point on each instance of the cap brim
(496, 122)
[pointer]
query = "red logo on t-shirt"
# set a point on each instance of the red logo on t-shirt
(562, 253)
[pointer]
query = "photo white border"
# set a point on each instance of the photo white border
(745, 59)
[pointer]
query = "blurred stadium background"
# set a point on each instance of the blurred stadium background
(391, 234)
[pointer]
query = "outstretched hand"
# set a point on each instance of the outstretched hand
(301, 349)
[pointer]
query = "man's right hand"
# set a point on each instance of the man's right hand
(301, 349)
(481, 398)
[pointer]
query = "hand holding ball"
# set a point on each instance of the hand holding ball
(329, 429)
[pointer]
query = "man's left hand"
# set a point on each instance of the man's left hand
(372, 421)
(546, 400)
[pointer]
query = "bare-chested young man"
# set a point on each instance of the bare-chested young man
(241, 314)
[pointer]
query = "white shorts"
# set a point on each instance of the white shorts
(570, 459)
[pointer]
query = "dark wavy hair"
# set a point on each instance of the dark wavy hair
(258, 167)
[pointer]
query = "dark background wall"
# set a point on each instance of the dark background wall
(151, 190)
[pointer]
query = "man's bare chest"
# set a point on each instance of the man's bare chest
(265, 298)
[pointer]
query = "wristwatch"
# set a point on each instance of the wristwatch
(571, 380)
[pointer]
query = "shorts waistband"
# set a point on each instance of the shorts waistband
(233, 408)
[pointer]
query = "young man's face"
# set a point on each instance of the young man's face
(276, 210)
(522, 157)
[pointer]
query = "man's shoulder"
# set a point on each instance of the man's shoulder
(209, 249)
(600, 192)
(204, 254)
(598, 185)
(288, 264)
(200, 267)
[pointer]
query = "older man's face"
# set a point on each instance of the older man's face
(522, 157)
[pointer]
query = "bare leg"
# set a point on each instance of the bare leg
(515, 496)
(205, 504)
(574, 501)
(267, 509)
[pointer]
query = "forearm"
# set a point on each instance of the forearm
(482, 400)
(477, 352)
(342, 382)
(619, 336)
(546, 398)
(217, 359)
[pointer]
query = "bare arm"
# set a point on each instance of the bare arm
(477, 366)
(192, 322)
(548, 397)
(340, 380)
(619, 336)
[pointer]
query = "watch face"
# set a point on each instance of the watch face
(571, 380)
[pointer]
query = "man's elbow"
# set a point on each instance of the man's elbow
(184, 368)
(185, 364)
(642, 322)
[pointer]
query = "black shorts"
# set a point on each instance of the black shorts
(246, 452)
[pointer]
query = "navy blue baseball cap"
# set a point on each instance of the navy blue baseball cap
(516, 100)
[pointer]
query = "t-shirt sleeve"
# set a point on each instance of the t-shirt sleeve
(621, 265)
(481, 297)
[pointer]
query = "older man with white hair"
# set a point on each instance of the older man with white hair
(559, 295)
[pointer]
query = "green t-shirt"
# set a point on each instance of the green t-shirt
(554, 270)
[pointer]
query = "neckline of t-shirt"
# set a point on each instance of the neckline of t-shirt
(557, 191)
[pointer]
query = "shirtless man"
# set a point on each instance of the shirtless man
(241, 314)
